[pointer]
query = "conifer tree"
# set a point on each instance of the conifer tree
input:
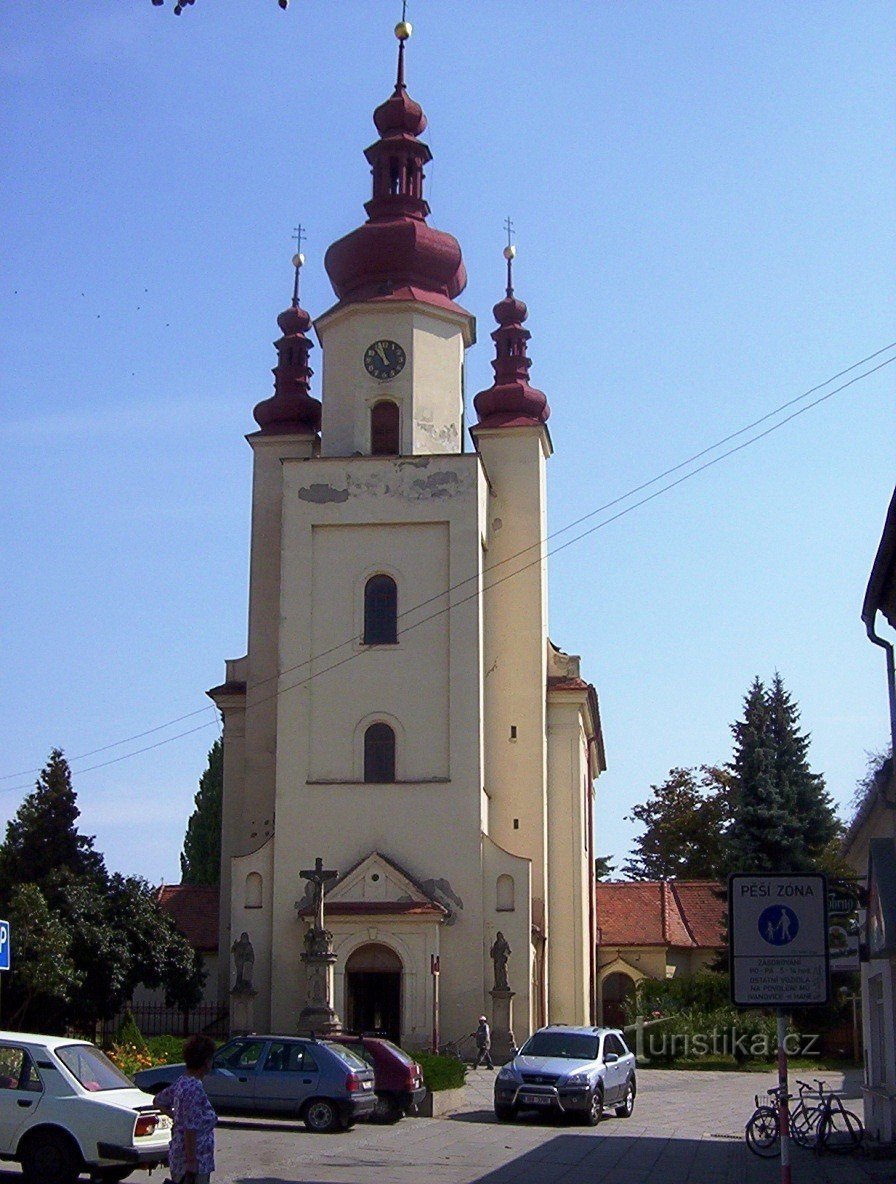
(201, 858)
(784, 819)
(43, 845)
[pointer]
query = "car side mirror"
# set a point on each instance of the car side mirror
(610, 1058)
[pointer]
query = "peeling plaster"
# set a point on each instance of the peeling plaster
(321, 494)
(435, 485)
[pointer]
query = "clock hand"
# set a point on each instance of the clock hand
(381, 352)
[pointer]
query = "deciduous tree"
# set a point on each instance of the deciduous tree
(685, 820)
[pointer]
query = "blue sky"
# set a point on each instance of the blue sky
(703, 200)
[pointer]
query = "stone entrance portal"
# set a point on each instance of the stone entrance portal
(373, 991)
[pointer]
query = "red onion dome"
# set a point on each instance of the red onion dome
(291, 408)
(510, 401)
(395, 248)
(399, 115)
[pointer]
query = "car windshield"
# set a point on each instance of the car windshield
(345, 1054)
(92, 1068)
(576, 1046)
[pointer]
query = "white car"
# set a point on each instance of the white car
(66, 1109)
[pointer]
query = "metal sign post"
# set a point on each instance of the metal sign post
(5, 946)
(435, 970)
(778, 930)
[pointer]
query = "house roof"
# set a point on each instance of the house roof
(194, 910)
(880, 595)
(687, 914)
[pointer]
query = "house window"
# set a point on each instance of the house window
(380, 611)
(384, 428)
(379, 753)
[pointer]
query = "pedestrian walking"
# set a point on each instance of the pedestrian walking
(191, 1156)
(483, 1044)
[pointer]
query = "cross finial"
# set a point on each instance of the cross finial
(509, 252)
(298, 259)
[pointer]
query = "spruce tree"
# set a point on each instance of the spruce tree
(43, 845)
(201, 858)
(784, 818)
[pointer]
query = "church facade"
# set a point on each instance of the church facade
(401, 712)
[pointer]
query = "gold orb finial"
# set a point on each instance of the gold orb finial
(403, 30)
(509, 252)
(298, 260)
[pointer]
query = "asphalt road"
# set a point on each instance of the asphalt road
(687, 1129)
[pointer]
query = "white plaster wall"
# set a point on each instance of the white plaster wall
(514, 647)
(516, 925)
(570, 881)
(257, 923)
(422, 516)
(879, 1089)
(428, 390)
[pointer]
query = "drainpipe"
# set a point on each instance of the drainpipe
(891, 673)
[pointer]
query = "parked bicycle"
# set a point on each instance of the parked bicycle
(819, 1120)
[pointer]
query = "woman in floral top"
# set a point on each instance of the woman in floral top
(191, 1156)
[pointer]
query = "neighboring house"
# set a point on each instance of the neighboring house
(401, 712)
(654, 929)
(194, 911)
(871, 849)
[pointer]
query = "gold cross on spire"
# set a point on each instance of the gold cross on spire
(297, 260)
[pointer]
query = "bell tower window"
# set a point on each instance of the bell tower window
(380, 611)
(384, 428)
(379, 754)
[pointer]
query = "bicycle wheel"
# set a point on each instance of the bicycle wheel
(840, 1131)
(804, 1124)
(762, 1133)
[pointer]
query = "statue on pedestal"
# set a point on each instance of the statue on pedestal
(500, 952)
(318, 1014)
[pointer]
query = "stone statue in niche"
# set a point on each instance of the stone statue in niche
(500, 952)
(244, 958)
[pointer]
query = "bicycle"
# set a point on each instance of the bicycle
(763, 1130)
(825, 1125)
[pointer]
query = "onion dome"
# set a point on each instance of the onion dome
(395, 248)
(291, 408)
(510, 401)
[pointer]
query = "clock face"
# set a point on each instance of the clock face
(384, 359)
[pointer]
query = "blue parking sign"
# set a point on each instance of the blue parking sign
(4, 945)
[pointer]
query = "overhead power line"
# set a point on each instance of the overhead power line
(509, 559)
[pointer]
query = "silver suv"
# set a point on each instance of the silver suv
(577, 1071)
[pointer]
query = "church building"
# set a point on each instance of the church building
(401, 712)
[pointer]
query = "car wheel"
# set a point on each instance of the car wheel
(628, 1101)
(50, 1159)
(321, 1115)
(504, 1113)
(386, 1109)
(595, 1111)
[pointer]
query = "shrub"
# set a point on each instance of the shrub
(441, 1072)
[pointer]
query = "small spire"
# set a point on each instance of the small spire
(297, 261)
(403, 30)
(509, 253)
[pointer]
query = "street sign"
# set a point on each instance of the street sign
(778, 930)
(5, 945)
(843, 948)
(843, 897)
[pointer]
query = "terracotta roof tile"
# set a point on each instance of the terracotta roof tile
(680, 913)
(194, 911)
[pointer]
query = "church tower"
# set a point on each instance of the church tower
(401, 712)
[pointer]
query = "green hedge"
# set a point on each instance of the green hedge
(441, 1072)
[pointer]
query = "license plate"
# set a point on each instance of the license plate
(536, 1100)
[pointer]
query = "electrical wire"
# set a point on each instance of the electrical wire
(487, 571)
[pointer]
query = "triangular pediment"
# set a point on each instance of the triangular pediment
(377, 879)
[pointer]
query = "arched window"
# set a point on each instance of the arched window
(380, 611)
(379, 753)
(254, 887)
(384, 428)
(504, 902)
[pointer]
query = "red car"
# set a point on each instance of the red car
(398, 1079)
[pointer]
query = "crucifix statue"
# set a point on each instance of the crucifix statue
(319, 878)
(318, 1014)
